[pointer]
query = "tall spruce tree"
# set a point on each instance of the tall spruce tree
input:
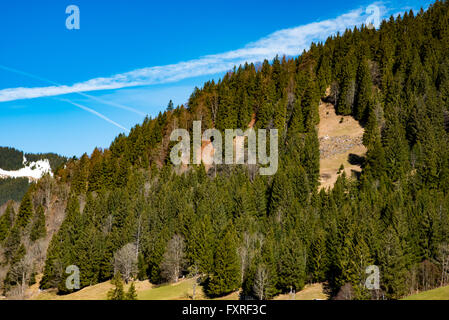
(225, 277)
(38, 229)
(6, 222)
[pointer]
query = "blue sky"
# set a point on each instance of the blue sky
(129, 58)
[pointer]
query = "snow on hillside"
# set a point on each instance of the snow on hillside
(32, 170)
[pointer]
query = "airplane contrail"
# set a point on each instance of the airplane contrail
(77, 92)
(95, 113)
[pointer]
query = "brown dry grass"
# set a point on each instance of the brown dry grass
(95, 292)
(313, 291)
(182, 290)
(332, 126)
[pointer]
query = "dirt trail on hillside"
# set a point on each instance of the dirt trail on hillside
(340, 138)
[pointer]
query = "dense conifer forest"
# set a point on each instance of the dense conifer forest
(268, 234)
(12, 189)
(12, 159)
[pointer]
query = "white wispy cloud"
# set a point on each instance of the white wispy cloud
(290, 41)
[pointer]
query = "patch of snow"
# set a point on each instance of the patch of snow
(33, 170)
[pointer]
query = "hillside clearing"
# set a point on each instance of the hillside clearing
(340, 137)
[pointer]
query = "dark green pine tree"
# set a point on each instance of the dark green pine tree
(106, 270)
(280, 114)
(310, 160)
(19, 254)
(396, 147)
(142, 267)
(97, 175)
(61, 250)
(292, 264)
(81, 176)
(319, 263)
(346, 98)
(38, 229)
(324, 75)
(363, 98)
(6, 222)
(282, 193)
(392, 264)
(361, 257)
(12, 243)
(117, 293)
(225, 277)
(155, 256)
(309, 104)
(25, 213)
(132, 293)
(276, 76)
(443, 81)
(170, 106)
(375, 162)
(296, 125)
(227, 111)
(269, 259)
(200, 243)
(88, 251)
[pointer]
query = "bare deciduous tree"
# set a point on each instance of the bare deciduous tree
(334, 92)
(247, 251)
(261, 282)
(125, 261)
(173, 261)
(193, 272)
(138, 234)
(443, 259)
(21, 273)
(350, 96)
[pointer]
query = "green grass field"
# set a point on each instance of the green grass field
(178, 291)
(435, 294)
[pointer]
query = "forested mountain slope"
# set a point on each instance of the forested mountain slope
(18, 169)
(266, 234)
